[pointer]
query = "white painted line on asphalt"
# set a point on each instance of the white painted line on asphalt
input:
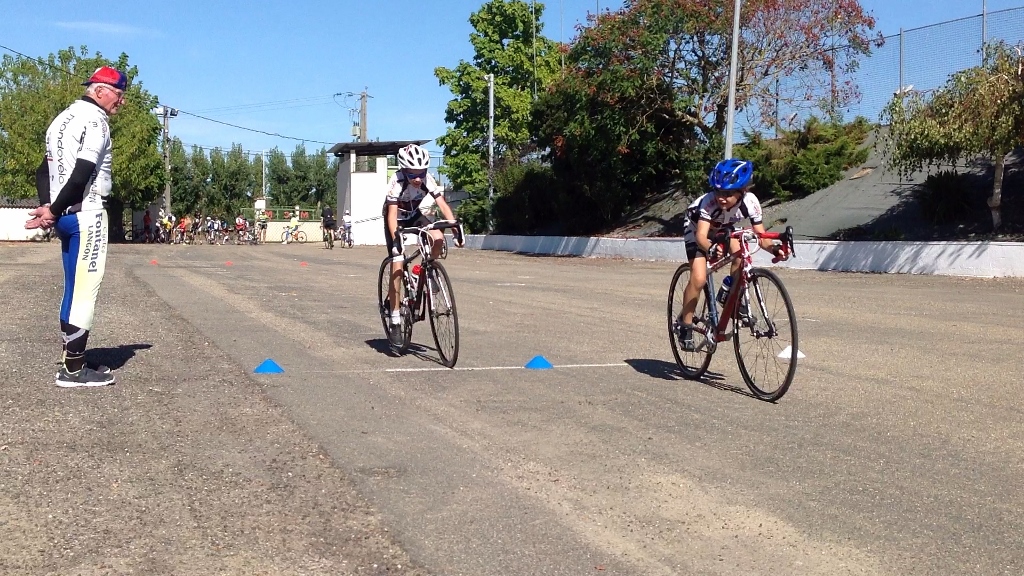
(473, 368)
(460, 369)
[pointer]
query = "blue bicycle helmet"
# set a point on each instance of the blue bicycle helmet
(731, 174)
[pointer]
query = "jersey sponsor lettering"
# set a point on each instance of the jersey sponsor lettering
(80, 132)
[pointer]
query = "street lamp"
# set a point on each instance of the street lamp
(490, 152)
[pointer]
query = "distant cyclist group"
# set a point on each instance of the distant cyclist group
(195, 229)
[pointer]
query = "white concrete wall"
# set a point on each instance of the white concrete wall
(12, 225)
(981, 259)
(310, 227)
(363, 193)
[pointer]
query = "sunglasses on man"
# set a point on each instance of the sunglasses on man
(416, 174)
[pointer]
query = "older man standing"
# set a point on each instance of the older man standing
(78, 159)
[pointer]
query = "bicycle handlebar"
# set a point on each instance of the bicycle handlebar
(785, 238)
(435, 225)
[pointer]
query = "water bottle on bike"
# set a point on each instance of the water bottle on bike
(723, 292)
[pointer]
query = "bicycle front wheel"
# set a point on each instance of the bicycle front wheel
(692, 363)
(384, 305)
(300, 237)
(765, 336)
(444, 318)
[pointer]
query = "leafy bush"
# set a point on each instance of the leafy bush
(801, 162)
(944, 198)
(526, 199)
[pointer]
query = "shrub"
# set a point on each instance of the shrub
(943, 197)
(804, 161)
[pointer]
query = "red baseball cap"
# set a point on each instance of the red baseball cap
(108, 75)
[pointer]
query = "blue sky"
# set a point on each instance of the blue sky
(228, 60)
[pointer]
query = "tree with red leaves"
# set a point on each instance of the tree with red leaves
(643, 101)
(799, 54)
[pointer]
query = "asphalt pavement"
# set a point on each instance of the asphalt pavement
(898, 449)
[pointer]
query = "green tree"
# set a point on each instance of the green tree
(240, 183)
(642, 104)
(34, 91)
(279, 179)
(217, 197)
(979, 111)
(323, 177)
(200, 176)
(184, 197)
(799, 54)
(507, 43)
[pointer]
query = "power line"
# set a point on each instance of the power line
(180, 111)
(43, 62)
(246, 152)
(256, 130)
(274, 105)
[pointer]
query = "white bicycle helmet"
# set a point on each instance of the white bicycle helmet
(413, 157)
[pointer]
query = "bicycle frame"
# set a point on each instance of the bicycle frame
(746, 236)
(416, 302)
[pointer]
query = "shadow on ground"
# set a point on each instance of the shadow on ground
(115, 357)
(382, 346)
(670, 371)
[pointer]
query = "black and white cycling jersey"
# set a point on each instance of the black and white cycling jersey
(707, 208)
(408, 197)
(80, 132)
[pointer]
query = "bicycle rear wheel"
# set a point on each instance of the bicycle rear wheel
(329, 240)
(765, 339)
(444, 319)
(693, 364)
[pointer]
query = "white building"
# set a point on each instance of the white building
(362, 188)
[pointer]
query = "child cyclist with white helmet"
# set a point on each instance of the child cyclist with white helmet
(406, 190)
(709, 220)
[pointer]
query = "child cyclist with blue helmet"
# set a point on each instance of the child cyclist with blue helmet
(709, 220)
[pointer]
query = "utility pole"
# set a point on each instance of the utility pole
(167, 114)
(362, 116)
(732, 79)
(533, 15)
(490, 151)
(263, 166)
(984, 28)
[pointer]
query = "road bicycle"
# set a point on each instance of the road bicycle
(425, 291)
(246, 236)
(344, 235)
(761, 312)
(297, 236)
(328, 237)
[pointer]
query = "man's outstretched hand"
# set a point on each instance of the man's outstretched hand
(40, 218)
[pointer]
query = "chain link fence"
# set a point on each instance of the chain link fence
(919, 59)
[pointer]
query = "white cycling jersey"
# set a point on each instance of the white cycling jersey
(80, 131)
(408, 197)
(706, 208)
